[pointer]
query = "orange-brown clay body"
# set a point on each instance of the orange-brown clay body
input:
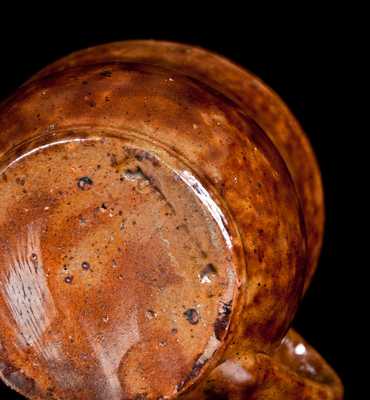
(161, 218)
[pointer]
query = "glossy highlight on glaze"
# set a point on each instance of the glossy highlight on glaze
(26, 292)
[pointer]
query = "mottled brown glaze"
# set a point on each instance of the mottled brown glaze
(161, 218)
(254, 98)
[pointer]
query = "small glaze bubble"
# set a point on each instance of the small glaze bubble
(192, 316)
(84, 183)
(68, 279)
(150, 314)
(85, 266)
(207, 273)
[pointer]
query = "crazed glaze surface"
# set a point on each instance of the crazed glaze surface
(161, 217)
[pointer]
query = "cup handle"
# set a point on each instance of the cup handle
(295, 371)
(303, 369)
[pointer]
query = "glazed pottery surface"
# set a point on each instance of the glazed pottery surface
(162, 216)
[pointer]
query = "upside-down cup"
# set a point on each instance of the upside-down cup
(161, 217)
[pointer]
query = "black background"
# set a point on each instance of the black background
(310, 58)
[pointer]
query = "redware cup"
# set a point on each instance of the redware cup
(162, 216)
